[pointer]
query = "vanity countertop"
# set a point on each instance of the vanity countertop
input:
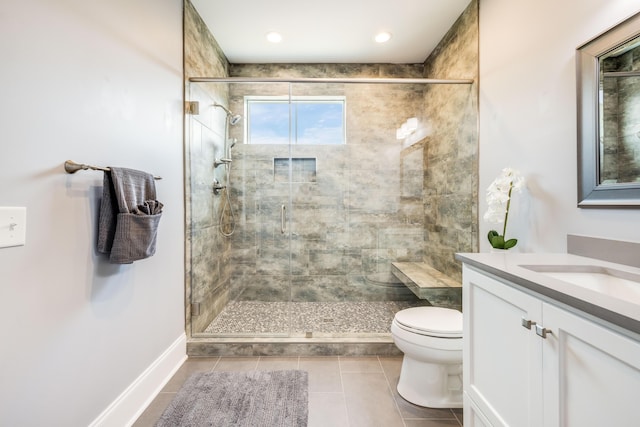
(619, 310)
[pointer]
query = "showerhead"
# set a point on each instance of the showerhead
(233, 118)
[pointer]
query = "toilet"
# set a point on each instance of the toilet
(431, 340)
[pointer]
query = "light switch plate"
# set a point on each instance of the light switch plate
(13, 226)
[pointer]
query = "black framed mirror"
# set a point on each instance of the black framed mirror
(608, 95)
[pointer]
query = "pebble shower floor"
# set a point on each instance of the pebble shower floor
(301, 318)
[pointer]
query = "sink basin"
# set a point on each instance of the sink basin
(615, 283)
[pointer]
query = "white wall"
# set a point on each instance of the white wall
(99, 83)
(528, 116)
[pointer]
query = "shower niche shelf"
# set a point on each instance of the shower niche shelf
(303, 169)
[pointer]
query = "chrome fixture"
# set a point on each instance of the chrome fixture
(218, 187)
(283, 219)
(223, 161)
(72, 167)
(233, 118)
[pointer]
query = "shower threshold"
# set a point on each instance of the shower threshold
(291, 346)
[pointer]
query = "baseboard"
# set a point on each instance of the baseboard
(126, 409)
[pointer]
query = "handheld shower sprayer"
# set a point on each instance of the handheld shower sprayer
(227, 218)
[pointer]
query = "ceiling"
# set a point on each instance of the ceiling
(329, 31)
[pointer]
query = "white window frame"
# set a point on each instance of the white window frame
(286, 99)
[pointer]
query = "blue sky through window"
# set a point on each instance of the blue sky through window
(318, 121)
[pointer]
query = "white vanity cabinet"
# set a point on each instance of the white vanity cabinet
(530, 362)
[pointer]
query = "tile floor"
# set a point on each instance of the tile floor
(343, 391)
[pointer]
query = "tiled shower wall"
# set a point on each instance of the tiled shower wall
(362, 210)
(207, 251)
(451, 151)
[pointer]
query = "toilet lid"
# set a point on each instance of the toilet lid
(435, 321)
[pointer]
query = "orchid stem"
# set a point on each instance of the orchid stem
(506, 214)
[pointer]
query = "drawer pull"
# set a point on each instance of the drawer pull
(527, 323)
(541, 331)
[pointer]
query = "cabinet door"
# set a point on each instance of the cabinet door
(591, 374)
(473, 416)
(501, 358)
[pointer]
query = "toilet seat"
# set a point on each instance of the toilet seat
(431, 321)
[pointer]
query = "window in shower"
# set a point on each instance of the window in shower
(309, 120)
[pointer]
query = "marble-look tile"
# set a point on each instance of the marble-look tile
(360, 364)
(237, 364)
(319, 288)
(392, 367)
(369, 400)
(188, 368)
(327, 409)
(270, 363)
(330, 262)
(263, 288)
(324, 374)
(155, 410)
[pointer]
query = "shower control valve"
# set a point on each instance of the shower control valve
(217, 187)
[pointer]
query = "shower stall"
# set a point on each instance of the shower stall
(300, 195)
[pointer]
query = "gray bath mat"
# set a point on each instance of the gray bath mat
(238, 399)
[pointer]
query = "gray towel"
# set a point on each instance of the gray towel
(129, 216)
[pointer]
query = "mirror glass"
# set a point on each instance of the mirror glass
(619, 105)
(608, 95)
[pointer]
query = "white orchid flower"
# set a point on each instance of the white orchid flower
(498, 201)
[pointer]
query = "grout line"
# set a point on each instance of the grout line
(215, 365)
(460, 421)
(344, 394)
(395, 402)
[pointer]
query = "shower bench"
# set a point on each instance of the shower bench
(429, 284)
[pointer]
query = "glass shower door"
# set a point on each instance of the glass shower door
(251, 269)
(324, 199)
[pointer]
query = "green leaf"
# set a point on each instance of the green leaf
(510, 243)
(497, 242)
(491, 235)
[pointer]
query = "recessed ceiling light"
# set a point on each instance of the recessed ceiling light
(274, 37)
(382, 37)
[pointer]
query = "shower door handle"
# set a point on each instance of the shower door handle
(283, 219)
